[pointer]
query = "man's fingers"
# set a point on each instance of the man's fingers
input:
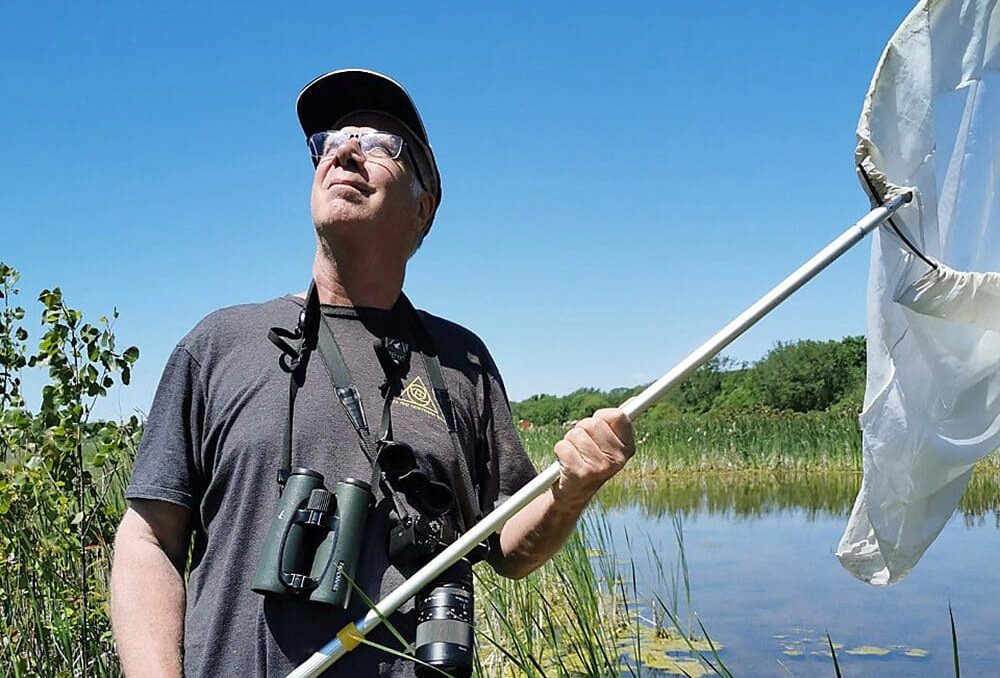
(619, 425)
(593, 451)
(570, 459)
(587, 437)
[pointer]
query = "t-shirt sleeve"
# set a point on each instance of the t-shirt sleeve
(166, 463)
(508, 467)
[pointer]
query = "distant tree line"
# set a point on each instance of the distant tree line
(799, 376)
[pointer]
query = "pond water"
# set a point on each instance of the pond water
(765, 582)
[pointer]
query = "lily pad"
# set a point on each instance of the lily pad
(869, 651)
(680, 667)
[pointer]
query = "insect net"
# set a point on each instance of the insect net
(930, 123)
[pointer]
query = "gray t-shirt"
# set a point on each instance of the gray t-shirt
(213, 443)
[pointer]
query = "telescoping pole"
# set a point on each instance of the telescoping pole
(352, 635)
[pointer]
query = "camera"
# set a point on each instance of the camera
(413, 540)
(445, 610)
(314, 542)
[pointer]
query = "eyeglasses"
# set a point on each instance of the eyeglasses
(383, 145)
(373, 144)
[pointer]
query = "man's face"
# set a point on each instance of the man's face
(361, 201)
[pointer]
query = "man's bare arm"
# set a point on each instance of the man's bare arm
(147, 588)
(590, 454)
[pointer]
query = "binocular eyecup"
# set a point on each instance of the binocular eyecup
(399, 464)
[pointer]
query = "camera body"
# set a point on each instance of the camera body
(314, 542)
(415, 540)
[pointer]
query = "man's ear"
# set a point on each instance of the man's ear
(425, 210)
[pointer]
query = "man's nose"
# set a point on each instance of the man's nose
(349, 155)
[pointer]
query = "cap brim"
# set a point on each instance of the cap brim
(330, 97)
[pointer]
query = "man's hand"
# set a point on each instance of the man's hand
(593, 451)
(590, 453)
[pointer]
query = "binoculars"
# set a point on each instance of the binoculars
(315, 538)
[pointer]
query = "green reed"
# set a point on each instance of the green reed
(41, 629)
(764, 440)
(582, 614)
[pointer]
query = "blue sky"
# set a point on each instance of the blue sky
(620, 179)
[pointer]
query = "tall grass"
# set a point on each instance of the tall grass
(582, 614)
(752, 492)
(792, 440)
(41, 629)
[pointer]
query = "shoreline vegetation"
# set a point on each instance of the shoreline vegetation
(791, 415)
(745, 441)
(795, 408)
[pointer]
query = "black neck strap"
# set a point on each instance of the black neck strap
(314, 333)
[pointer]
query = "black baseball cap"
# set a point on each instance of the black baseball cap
(327, 99)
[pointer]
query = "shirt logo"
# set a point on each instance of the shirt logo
(417, 397)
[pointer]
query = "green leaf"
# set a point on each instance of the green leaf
(131, 354)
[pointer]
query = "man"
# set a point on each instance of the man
(214, 441)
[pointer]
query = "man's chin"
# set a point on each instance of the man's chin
(343, 229)
(340, 215)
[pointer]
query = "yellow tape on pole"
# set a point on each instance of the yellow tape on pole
(350, 637)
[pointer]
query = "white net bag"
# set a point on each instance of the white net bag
(931, 122)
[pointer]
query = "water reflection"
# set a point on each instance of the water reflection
(751, 494)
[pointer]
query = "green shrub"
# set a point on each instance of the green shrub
(61, 483)
(809, 375)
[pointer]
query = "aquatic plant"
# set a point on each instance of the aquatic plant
(582, 614)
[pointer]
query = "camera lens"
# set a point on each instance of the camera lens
(445, 631)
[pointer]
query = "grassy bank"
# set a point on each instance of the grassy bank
(745, 493)
(787, 441)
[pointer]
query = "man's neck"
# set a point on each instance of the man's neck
(357, 280)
